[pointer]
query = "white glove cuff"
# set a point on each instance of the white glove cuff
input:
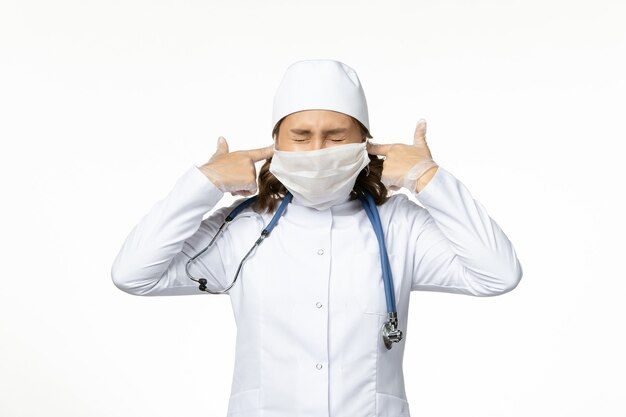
(411, 177)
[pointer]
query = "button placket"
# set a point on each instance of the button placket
(320, 298)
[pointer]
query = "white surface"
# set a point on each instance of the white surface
(103, 105)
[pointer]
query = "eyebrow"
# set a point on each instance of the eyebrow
(326, 132)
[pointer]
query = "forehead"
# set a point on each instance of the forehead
(312, 118)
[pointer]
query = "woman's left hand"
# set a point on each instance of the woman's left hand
(405, 164)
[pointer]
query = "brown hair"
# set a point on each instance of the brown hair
(271, 189)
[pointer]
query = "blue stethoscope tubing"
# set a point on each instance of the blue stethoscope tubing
(390, 332)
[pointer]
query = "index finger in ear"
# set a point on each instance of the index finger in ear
(376, 149)
(260, 154)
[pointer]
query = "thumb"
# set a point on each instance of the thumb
(419, 138)
(222, 146)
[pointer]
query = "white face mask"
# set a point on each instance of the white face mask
(323, 177)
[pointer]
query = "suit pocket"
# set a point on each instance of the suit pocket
(391, 406)
(244, 403)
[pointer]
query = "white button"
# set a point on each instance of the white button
(318, 366)
(318, 304)
(320, 252)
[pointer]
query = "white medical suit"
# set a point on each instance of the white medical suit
(309, 303)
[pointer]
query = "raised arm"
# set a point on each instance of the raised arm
(152, 260)
(153, 257)
(458, 247)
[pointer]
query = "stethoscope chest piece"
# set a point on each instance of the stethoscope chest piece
(390, 331)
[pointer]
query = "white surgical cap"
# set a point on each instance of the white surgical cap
(322, 84)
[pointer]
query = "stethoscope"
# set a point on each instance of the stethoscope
(390, 331)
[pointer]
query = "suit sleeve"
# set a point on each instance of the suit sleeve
(152, 259)
(458, 247)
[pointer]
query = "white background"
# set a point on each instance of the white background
(103, 105)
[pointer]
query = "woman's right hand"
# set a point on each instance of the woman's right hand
(235, 172)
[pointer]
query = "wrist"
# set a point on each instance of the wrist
(423, 180)
(208, 172)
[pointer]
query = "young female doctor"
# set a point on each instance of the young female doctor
(320, 264)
